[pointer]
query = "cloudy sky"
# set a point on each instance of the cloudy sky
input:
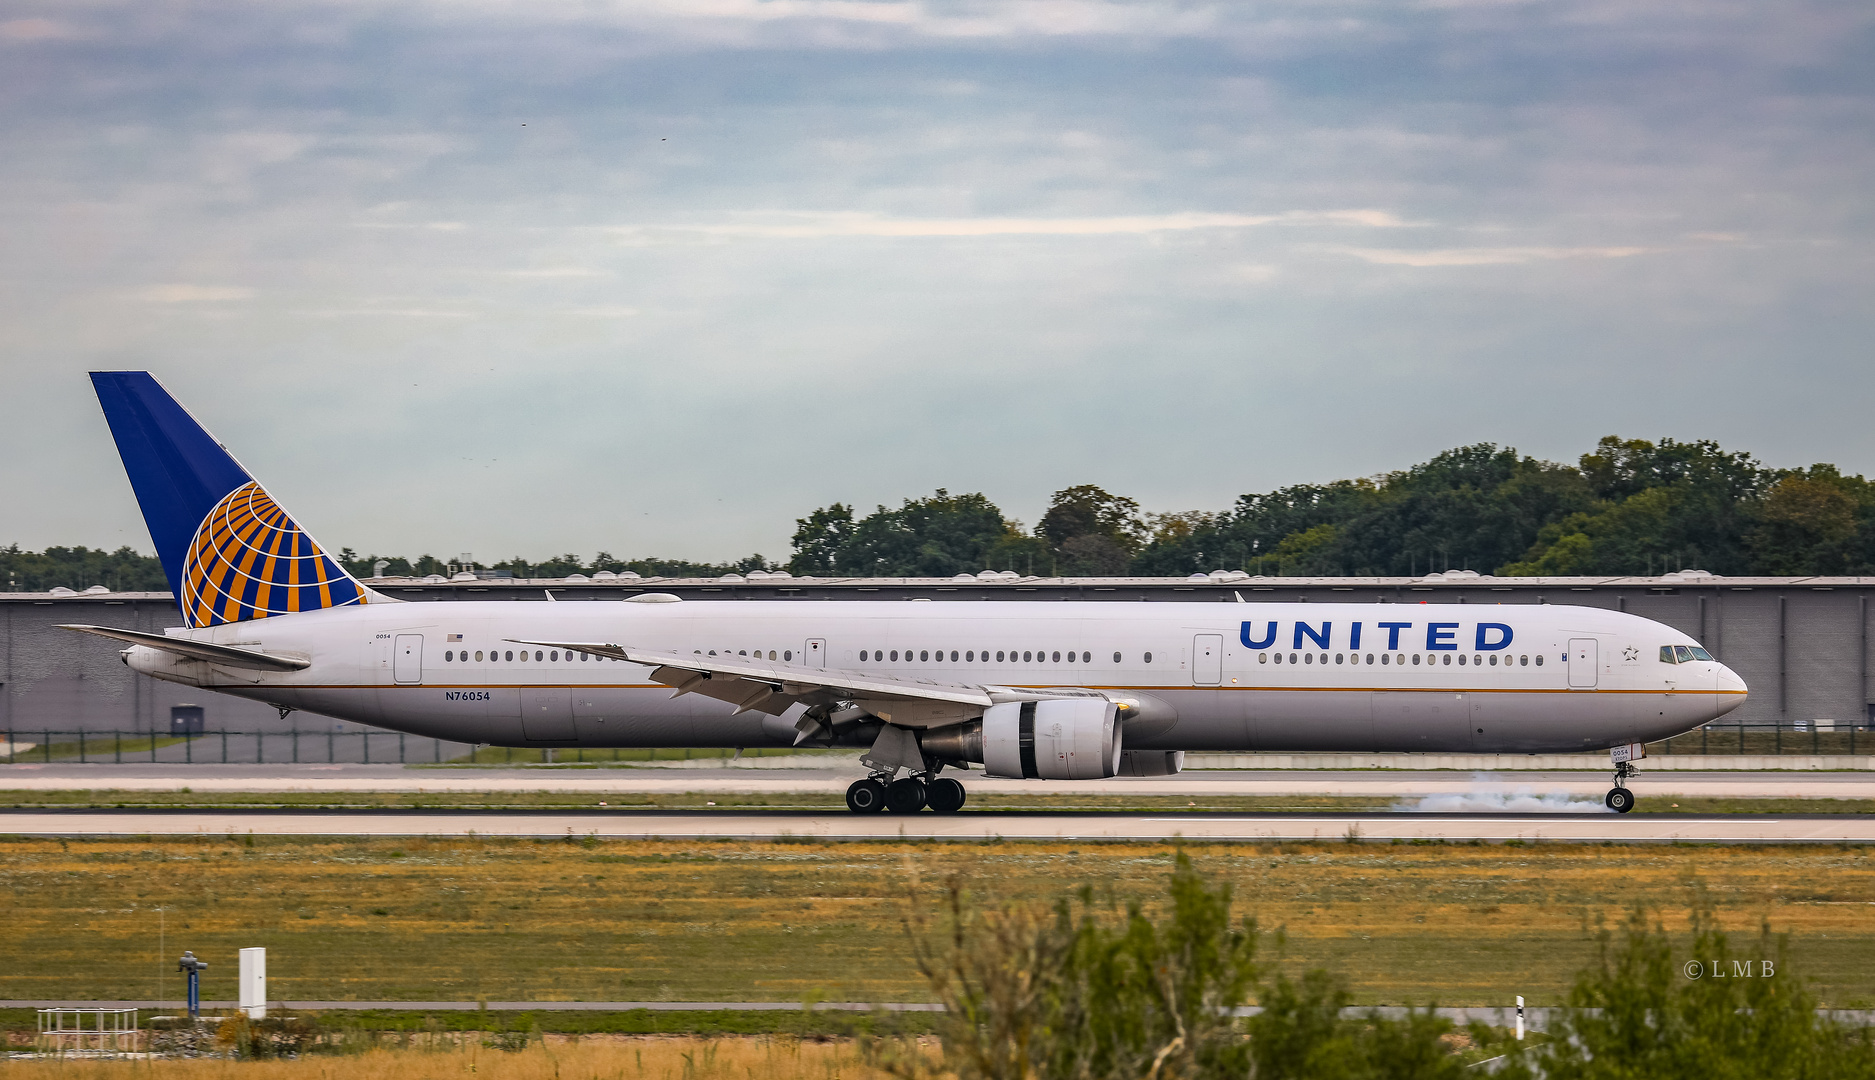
(660, 277)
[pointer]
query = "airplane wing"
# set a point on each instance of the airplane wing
(225, 655)
(773, 690)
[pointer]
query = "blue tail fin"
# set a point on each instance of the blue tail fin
(230, 552)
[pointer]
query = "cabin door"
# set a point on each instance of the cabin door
(1582, 661)
(1207, 660)
(407, 659)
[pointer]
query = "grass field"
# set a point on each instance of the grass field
(668, 1058)
(730, 920)
(828, 801)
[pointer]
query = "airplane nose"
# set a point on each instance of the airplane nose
(1733, 691)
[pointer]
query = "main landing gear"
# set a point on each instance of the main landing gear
(1620, 799)
(906, 795)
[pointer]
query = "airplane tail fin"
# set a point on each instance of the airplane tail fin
(230, 553)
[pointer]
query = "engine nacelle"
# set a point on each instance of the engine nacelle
(1151, 762)
(1057, 739)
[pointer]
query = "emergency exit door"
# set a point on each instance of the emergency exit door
(407, 659)
(1207, 659)
(816, 652)
(1582, 661)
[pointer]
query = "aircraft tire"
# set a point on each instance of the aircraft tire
(944, 795)
(1620, 800)
(905, 795)
(866, 796)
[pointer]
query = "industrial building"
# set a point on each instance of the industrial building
(1802, 644)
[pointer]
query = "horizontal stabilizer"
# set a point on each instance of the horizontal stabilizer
(225, 655)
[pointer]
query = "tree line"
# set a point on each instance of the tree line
(1630, 506)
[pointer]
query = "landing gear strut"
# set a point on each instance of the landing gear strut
(1620, 799)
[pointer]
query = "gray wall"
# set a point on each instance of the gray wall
(1801, 644)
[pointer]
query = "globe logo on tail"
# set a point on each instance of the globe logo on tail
(249, 560)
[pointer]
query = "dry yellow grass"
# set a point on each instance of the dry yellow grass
(593, 1058)
(731, 920)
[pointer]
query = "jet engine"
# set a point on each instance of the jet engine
(1056, 739)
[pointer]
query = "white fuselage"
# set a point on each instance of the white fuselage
(1237, 676)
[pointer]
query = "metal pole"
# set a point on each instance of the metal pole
(364, 738)
(47, 753)
(439, 750)
(260, 748)
(1782, 703)
(224, 746)
(117, 752)
(188, 747)
(400, 748)
(296, 746)
(331, 752)
(81, 746)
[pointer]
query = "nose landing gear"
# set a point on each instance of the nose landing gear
(1619, 798)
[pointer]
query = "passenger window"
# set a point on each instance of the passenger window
(509, 657)
(1539, 659)
(895, 656)
(1148, 658)
(970, 657)
(1415, 659)
(1263, 658)
(1448, 660)
(448, 656)
(953, 656)
(1383, 658)
(1493, 659)
(1116, 658)
(862, 656)
(1070, 658)
(1292, 658)
(1087, 658)
(1026, 657)
(1524, 660)
(1666, 655)
(1057, 658)
(999, 656)
(1308, 658)
(1370, 658)
(478, 656)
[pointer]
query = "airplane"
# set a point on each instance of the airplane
(1035, 690)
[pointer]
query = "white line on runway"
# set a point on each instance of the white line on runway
(967, 826)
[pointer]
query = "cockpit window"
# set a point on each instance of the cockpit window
(1666, 655)
(1701, 654)
(1685, 654)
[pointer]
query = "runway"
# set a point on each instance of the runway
(783, 825)
(598, 782)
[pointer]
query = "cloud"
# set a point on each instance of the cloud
(193, 294)
(34, 30)
(815, 226)
(1484, 256)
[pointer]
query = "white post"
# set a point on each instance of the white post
(254, 983)
(1519, 1017)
